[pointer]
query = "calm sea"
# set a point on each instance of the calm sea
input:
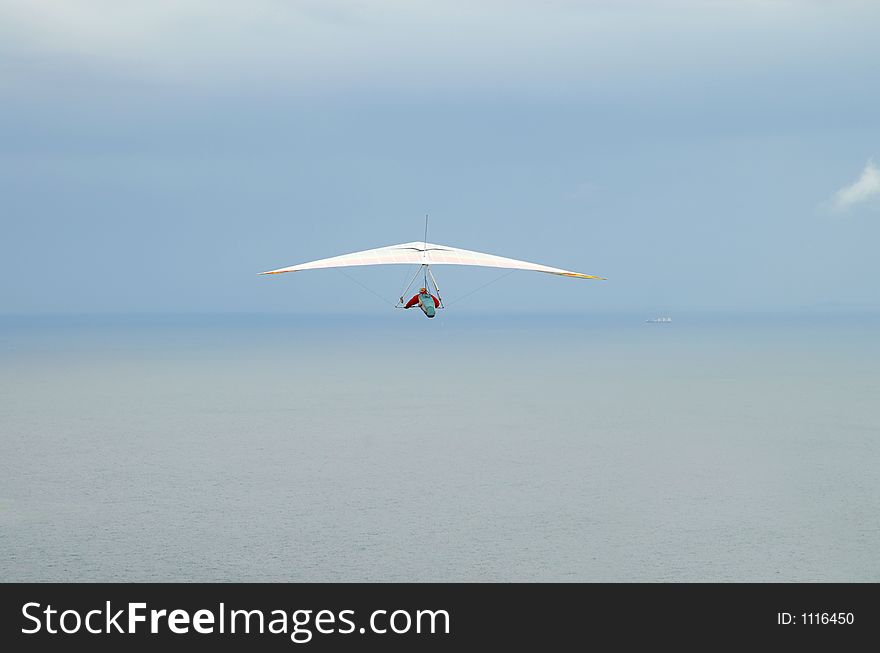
(589, 448)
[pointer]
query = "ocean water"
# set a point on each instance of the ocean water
(342, 448)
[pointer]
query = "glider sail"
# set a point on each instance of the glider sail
(421, 253)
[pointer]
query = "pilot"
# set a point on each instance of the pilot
(423, 299)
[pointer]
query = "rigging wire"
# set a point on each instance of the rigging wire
(458, 299)
(445, 304)
(368, 289)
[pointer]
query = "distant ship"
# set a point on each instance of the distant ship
(660, 319)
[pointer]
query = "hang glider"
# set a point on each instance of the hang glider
(426, 254)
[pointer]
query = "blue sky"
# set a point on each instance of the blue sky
(711, 155)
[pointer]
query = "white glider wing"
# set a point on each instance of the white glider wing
(419, 253)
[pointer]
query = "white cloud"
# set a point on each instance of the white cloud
(866, 187)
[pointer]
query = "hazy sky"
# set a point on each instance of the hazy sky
(700, 154)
